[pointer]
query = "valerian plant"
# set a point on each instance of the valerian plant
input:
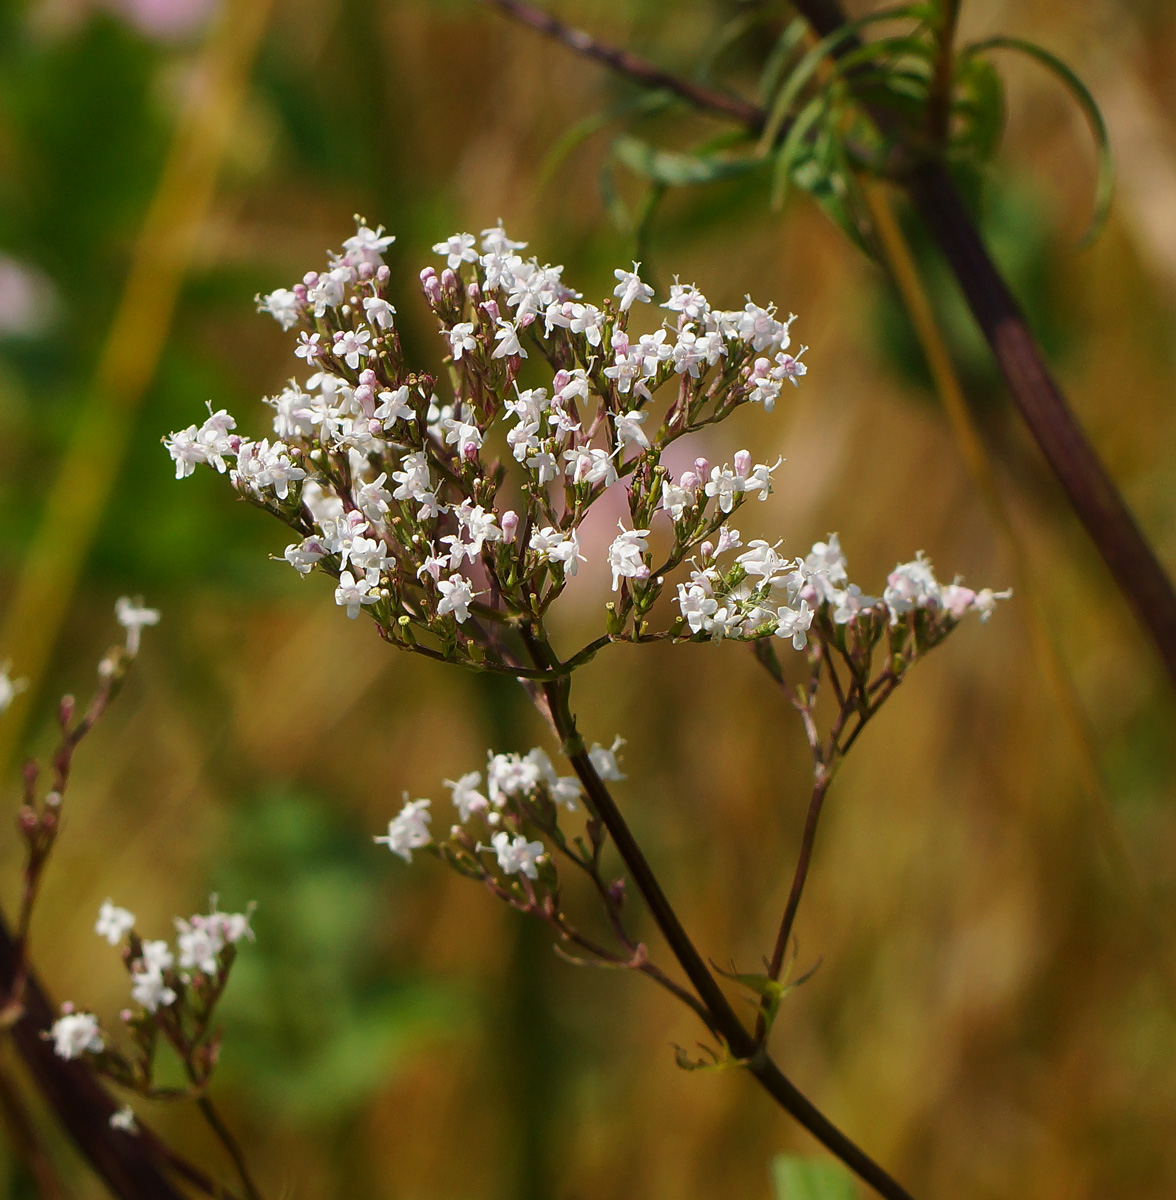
(450, 511)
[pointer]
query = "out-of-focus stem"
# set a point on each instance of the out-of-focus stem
(902, 268)
(97, 448)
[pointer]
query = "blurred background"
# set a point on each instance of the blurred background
(990, 1016)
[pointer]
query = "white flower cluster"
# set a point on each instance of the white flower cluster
(158, 974)
(397, 493)
(517, 788)
(763, 593)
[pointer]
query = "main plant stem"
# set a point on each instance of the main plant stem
(721, 1017)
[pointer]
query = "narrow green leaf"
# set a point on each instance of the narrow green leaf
(810, 63)
(791, 37)
(645, 104)
(797, 1178)
(670, 168)
(1104, 187)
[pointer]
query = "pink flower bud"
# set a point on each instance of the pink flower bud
(469, 452)
(126, 1016)
(689, 481)
(365, 271)
(510, 526)
(367, 376)
(707, 550)
(474, 292)
(702, 467)
(490, 308)
(300, 292)
(310, 278)
(448, 280)
(742, 463)
(431, 285)
(561, 381)
(526, 320)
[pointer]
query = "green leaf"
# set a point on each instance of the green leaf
(978, 99)
(1104, 187)
(645, 104)
(797, 1178)
(808, 66)
(670, 168)
(777, 60)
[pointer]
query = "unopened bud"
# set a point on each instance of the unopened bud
(448, 280)
(310, 278)
(27, 821)
(702, 467)
(65, 710)
(365, 271)
(742, 463)
(707, 550)
(510, 526)
(383, 273)
(431, 285)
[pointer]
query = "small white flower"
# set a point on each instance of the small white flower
(630, 289)
(124, 1119)
(517, 856)
(199, 941)
(351, 345)
(457, 249)
(150, 990)
(9, 688)
(605, 760)
(132, 616)
(456, 597)
(113, 922)
(507, 338)
(409, 829)
(466, 797)
(794, 623)
(626, 555)
(461, 339)
(283, 305)
(76, 1034)
(628, 426)
(378, 312)
(352, 595)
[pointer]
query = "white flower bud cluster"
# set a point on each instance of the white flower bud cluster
(523, 795)
(160, 976)
(435, 514)
(761, 594)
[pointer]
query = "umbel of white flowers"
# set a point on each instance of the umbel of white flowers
(436, 513)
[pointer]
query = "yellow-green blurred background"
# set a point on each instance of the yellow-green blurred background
(988, 1019)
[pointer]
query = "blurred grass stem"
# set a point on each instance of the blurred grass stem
(98, 447)
(900, 263)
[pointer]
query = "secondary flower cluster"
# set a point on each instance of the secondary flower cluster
(743, 599)
(518, 814)
(176, 989)
(436, 514)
